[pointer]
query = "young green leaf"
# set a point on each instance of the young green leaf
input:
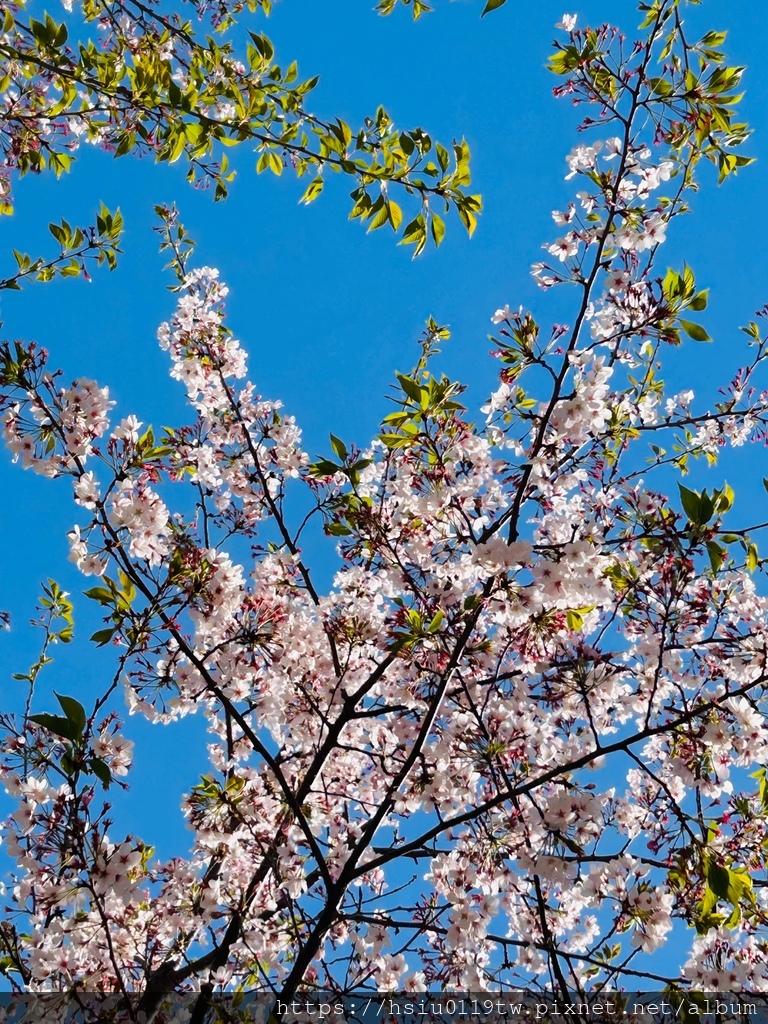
(58, 726)
(695, 331)
(74, 711)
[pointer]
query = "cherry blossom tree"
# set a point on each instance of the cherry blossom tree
(521, 741)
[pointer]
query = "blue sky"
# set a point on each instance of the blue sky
(328, 313)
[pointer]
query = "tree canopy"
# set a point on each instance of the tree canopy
(134, 79)
(520, 743)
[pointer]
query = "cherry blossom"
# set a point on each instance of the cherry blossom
(518, 740)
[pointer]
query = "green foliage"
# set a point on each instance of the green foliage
(709, 96)
(726, 884)
(574, 617)
(118, 596)
(422, 399)
(99, 244)
(418, 7)
(449, 178)
(700, 507)
(159, 89)
(57, 603)
(349, 465)
(58, 625)
(679, 291)
(71, 726)
(416, 628)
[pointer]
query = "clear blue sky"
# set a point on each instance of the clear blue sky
(328, 313)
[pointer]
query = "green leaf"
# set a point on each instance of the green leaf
(410, 387)
(717, 555)
(761, 775)
(59, 234)
(395, 214)
(436, 622)
(492, 5)
(465, 210)
(102, 636)
(562, 62)
(313, 190)
(275, 164)
(339, 448)
(695, 331)
(724, 498)
(691, 503)
(58, 726)
(411, 232)
(415, 234)
(337, 530)
(8, 965)
(706, 509)
(74, 711)
(729, 884)
(752, 558)
(437, 227)
(574, 620)
(395, 440)
(380, 214)
(100, 769)
(713, 39)
(323, 467)
(718, 880)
